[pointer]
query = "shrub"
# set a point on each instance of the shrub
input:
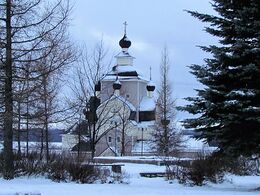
(81, 173)
(67, 168)
(28, 165)
(57, 168)
(212, 168)
(204, 168)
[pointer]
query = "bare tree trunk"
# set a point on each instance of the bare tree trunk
(42, 142)
(27, 110)
(79, 144)
(8, 100)
(123, 139)
(19, 127)
(165, 107)
(46, 116)
(166, 138)
(93, 144)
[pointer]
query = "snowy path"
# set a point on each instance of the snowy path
(137, 186)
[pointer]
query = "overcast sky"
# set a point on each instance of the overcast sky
(151, 25)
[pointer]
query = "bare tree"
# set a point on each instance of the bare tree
(93, 65)
(166, 137)
(51, 68)
(24, 27)
(98, 117)
(124, 123)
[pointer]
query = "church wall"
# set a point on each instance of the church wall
(143, 91)
(106, 90)
(124, 61)
(129, 88)
(111, 140)
(137, 133)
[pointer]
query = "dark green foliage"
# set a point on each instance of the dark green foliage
(228, 108)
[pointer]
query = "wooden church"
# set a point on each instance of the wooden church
(125, 114)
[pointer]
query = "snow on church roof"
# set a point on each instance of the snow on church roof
(124, 78)
(126, 72)
(114, 97)
(124, 54)
(147, 104)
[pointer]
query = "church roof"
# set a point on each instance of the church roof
(124, 54)
(125, 42)
(77, 128)
(120, 98)
(126, 72)
(144, 124)
(147, 104)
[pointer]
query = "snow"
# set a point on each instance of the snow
(193, 145)
(232, 102)
(234, 185)
(123, 54)
(131, 106)
(125, 69)
(125, 78)
(138, 159)
(116, 97)
(144, 146)
(143, 124)
(147, 104)
(117, 81)
(244, 92)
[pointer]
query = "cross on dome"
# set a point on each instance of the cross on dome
(125, 23)
(125, 43)
(150, 73)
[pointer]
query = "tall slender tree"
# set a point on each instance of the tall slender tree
(166, 137)
(228, 108)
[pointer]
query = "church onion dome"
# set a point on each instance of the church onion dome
(150, 86)
(117, 85)
(98, 86)
(125, 42)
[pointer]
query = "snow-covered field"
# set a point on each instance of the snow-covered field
(234, 185)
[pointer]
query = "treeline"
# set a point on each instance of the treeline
(35, 50)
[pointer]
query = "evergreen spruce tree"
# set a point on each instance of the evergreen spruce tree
(228, 107)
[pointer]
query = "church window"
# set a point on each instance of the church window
(109, 139)
(118, 139)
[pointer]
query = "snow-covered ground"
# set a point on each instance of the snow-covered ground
(234, 185)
